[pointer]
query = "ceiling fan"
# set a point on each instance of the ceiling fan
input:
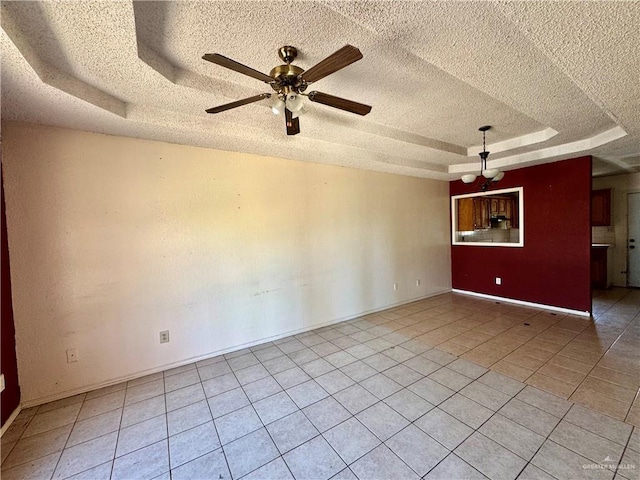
(290, 81)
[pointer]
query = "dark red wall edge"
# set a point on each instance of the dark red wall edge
(553, 268)
(10, 397)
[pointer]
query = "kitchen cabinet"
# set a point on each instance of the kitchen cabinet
(599, 267)
(505, 207)
(601, 207)
(490, 218)
(499, 206)
(465, 215)
(481, 213)
(473, 214)
(476, 213)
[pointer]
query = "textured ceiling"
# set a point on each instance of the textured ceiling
(555, 79)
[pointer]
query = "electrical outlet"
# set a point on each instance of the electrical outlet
(2, 385)
(395, 286)
(417, 282)
(498, 281)
(164, 336)
(72, 355)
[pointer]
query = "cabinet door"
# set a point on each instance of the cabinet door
(601, 207)
(465, 214)
(502, 206)
(495, 207)
(486, 215)
(481, 209)
(599, 267)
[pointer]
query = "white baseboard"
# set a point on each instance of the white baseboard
(10, 420)
(69, 393)
(522, 302)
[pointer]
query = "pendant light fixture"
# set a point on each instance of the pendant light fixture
(489, 174)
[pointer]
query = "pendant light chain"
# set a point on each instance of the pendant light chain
(491, 175)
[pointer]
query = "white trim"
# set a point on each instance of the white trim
(10, 420)
(454, 218)
(76, 391)
(534, 157)
(515, 142)
(522, 302)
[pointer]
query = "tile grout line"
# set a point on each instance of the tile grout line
(629, 325)
(68, 436)
(320, 434)
(206, 400)
(381, 372)
(602, 356)
(166, 422)
(545, 441)
(340, 349)
(28, 422)
(329, 396)
(558, 353)
(260, 418)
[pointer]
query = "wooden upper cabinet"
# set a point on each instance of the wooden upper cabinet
(601, 207)
(501, 206)
(465, 215)
(473, 214)
(481, 213)
(494, 206)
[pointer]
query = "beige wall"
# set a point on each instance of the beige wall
(621, 186)
(114, 239)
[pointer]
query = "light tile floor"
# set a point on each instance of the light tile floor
(401, 394)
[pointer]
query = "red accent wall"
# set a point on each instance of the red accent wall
(10, 398)
(553, 267)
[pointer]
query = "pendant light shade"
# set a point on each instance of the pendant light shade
(278, 106)
(489, 174)
(294, 102)
(469, 178)
(299, 112)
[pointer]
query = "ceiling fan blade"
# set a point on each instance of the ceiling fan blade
(334, 62)
(238, 103)
(238, 67)
(293, 124)
(341, 103)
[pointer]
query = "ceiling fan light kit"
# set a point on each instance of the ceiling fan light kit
(297, 113)
(491, 175)
(278, 106)
(290, 81)
(294, 101)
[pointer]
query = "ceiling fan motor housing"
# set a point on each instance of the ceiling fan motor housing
(286, 79)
